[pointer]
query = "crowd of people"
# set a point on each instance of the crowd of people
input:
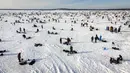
(32, 17)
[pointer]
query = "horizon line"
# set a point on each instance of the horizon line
(66, 9)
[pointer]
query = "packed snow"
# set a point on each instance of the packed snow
(45, 28)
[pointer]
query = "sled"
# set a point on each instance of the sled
(70, 52)
(23, 63)
(103, 40)
(32, 62)
(37, 44)
(66, 51)
(66, 43)
(28, 37)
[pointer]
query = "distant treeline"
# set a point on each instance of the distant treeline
(70, 9)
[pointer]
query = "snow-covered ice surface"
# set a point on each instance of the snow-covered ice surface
(91, 57)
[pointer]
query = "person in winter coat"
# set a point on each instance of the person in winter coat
(19, 57)
(72, 29)
(115, 30)
(53, 28)
(71, 49)
(100, 38)
(92, 38)
(68, 40)
(120, 57)
(118, 60)
(111, 60)
(113, 43)
(42, 26)
(96, 38)
(24, 30)
(111, 29)
(37, 31)
(119, 29)
(107, 28)
(20, 29)
(60, 40)
(24, 36)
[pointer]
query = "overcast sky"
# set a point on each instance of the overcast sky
(50, 4)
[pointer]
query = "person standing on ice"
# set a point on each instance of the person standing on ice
(96, 38)
(24, 30)
(20, 29)
(92, 38)
(71, 49)
(68, 40)
(100, 38)
(119, 29)
(120, 57)
(19, 57)
(115, 30)
(42, 26)
(60, 40)
(37, 31)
